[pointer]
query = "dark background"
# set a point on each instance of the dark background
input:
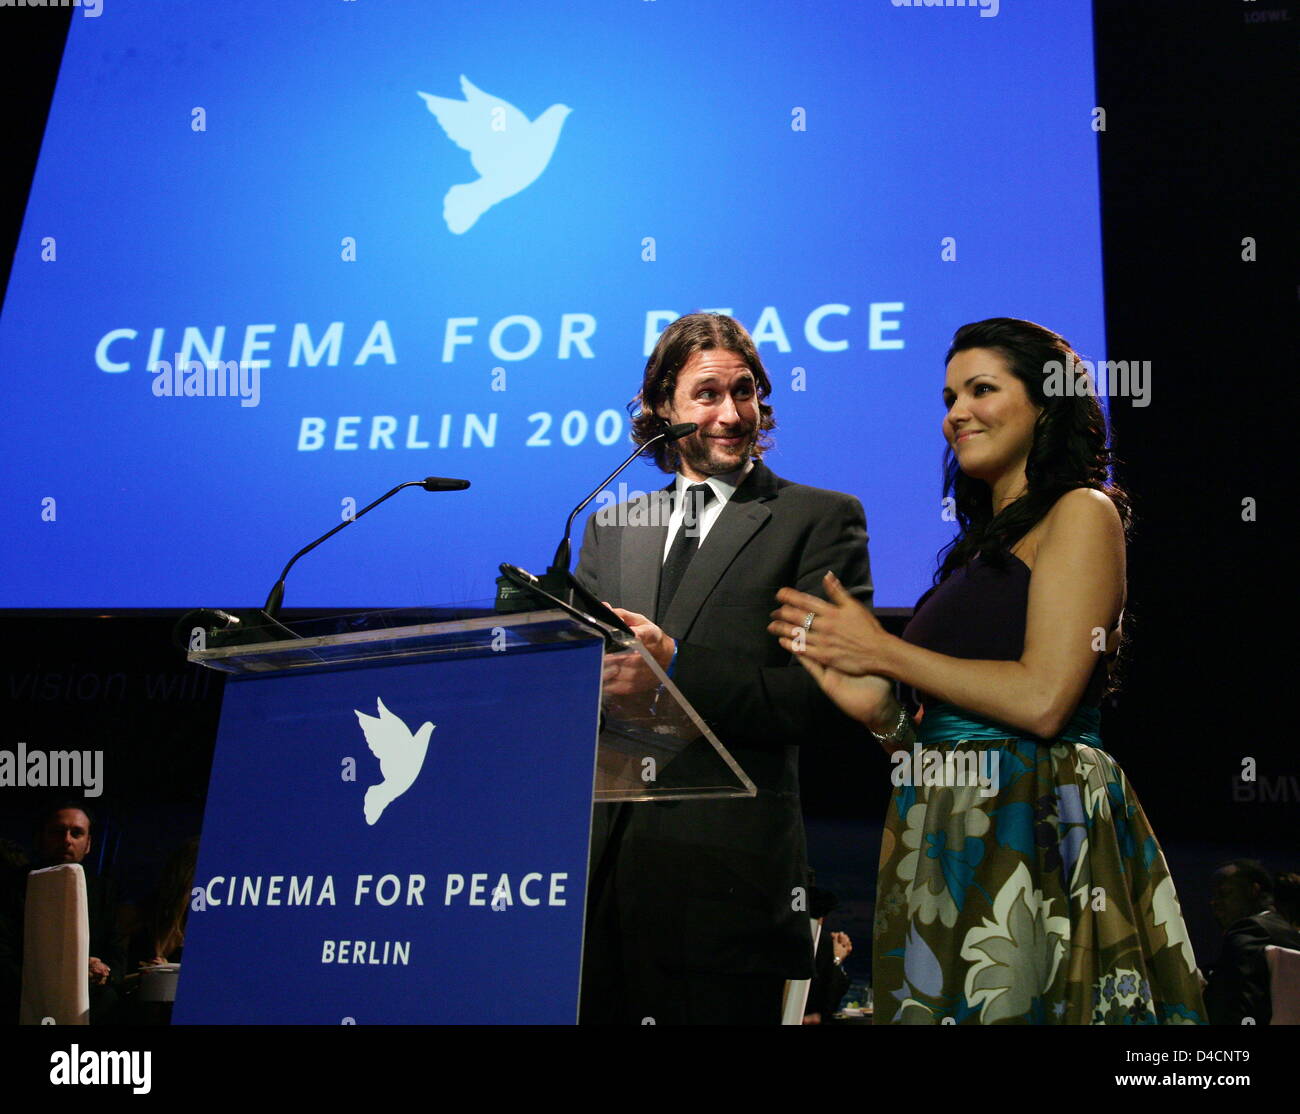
(1199, 151)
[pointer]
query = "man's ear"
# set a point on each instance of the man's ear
(664, 410)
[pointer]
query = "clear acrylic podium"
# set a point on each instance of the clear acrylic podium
(391, 791)
(652, 745)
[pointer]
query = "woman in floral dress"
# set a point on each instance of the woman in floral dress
(1020, 881)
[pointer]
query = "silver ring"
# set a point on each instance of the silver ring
(808, 621)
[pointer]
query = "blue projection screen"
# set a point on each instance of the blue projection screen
(418, 238)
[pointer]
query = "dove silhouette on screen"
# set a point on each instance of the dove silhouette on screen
(400, 754)
(507, 149)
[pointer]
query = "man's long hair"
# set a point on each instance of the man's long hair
(696, 332)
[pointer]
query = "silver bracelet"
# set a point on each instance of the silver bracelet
(899, 729)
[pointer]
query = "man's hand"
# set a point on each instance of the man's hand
(842, 945)
(99, 972)
(627, 673)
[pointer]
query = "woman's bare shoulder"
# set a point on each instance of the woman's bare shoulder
(1083, 508)
(1079, 513)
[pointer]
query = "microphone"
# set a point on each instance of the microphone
(617, 639)
(564, 551)
(429, 483)
(558, 582)
(214, 624)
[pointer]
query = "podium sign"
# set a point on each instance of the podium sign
(354, 864)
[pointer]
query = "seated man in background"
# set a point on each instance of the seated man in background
(63, 835)
(1238, 987)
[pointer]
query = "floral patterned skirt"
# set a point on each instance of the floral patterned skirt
(1039, 896)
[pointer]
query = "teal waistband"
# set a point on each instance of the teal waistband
(946, 723)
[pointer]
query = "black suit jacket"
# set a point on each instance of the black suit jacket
(709, 885)
(1238, 987)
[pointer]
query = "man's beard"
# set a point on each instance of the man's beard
(696, 451)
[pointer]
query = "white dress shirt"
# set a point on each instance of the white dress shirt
(723, 487)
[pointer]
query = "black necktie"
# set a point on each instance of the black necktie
(683, 548)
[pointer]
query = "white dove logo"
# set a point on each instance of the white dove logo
(507, 150)
(400, 754)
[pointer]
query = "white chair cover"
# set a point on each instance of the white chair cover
(1284, 984)
(56, 948)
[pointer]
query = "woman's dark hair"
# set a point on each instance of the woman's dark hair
(696, 332)
(1070, 447)
(171, 904)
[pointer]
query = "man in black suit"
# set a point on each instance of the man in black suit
(697, 910)
(1242, 901)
